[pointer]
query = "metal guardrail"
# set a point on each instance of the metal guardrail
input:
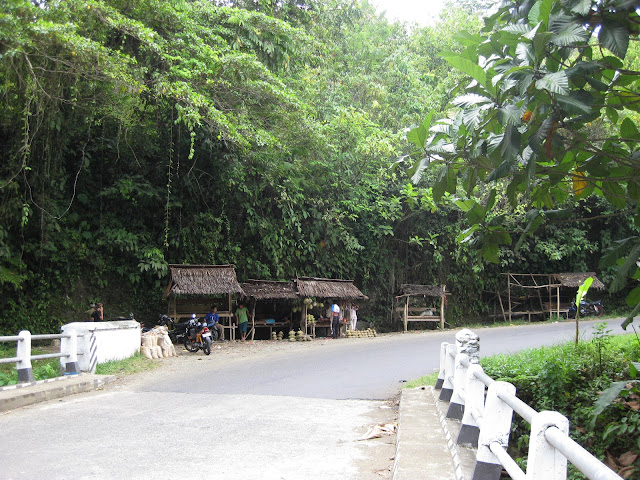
(485, 408)
(23, 358)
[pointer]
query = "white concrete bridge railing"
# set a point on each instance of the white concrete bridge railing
(83, 345)
(485, 409)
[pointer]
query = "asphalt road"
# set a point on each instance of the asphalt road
(371, 370)
(296, 414)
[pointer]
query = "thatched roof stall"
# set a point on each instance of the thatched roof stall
(408, 291)
(191, 289)
(574, 280)
(268, 291)
(327, 288)
(525, 293)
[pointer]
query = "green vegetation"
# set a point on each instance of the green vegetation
(42, 369)
(128, 366)
(571, 380)
(422, 381)
(271, 135)
(548, 125)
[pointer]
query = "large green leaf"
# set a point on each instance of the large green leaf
(571, 35)
(615, 37)
(556, 82)
(629, 131)
(606, 398)
(471, 69)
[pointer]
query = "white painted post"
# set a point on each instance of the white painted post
(443, 357)
(23, 352)
(544, 461)
(474, 402)
(449, 368)
(496, 425)
(69, 365)
(456, 405)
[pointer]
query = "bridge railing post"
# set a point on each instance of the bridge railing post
(456, 404)
(474, 407)
(449, 369)
(544, 461)
(443, 358)
(495, 427)
(23, 353)
(69, 344)
(468, 352)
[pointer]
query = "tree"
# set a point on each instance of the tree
(546, 116)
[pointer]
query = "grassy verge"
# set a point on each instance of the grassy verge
(422, 381)
(129, 366)
(42, 369)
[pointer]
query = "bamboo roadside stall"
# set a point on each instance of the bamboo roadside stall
(425, 313)
(193, 288)
(531, 294)
(280, 295)
(327, 289)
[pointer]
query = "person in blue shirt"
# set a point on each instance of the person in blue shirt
(213, 321)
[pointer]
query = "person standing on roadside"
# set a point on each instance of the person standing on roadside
(243, 320)
(335, 319)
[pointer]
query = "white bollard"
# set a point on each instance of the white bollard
(456, 405)
(544, 461)
(496, 426)
(23, 352)
(443, 356)
(449, 369)
(474, 402)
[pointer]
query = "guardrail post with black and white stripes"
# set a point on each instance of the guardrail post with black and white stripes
(449, 369)
(544, 461)
(474, 406)
(69, 345)
(23, 354)
(495, 426)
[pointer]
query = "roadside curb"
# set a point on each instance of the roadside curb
(423, 447)
(22, 395)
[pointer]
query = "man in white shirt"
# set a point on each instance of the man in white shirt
(335, 319)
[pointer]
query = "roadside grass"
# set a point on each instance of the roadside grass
(422, 381)
(50, 368)
(128, 366)
(42, 369)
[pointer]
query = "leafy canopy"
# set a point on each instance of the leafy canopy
(549, 111)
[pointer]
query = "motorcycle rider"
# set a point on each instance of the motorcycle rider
(213, 321)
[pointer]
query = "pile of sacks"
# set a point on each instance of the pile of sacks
(156, 343)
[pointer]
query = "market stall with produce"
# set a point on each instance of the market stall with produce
(271, 303)
(316, 294)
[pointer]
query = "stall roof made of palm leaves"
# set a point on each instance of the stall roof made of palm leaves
(328, 288)
(427, 290)
(202, 280)
(269, 289)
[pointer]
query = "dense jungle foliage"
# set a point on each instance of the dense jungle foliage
(273, 136)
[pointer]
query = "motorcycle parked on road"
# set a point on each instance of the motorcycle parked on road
(197, 337)
(587, 309)
(176, 331)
